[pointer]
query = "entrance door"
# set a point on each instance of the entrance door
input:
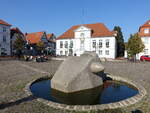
(70, 52)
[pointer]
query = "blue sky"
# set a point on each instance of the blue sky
(58, 15)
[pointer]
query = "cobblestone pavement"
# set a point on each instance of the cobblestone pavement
(138, 72)
(14, 75)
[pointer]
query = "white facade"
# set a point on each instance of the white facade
(4, 40)
(146, 51)
(103, 46)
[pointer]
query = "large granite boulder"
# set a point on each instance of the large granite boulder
(78, 73)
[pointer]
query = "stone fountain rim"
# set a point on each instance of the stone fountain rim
(123, 103)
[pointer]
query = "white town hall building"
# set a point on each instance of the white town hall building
(87, 37)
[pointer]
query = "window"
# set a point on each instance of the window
(61, 44)
(107, 43)
(66, 44)
(71, 44)
(100, 44)
(146, 40)
(4, 29)
(61, 52)
(146, 31)
(3, 49)
(107, 52)
(4, 38)
(66, 53)
(94, 43)
(145, 51)
(100, 52)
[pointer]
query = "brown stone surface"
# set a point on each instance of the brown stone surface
(78, 73)
(14, 77)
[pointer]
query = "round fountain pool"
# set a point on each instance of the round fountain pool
(109, 92)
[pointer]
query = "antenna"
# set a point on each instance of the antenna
(83, 15)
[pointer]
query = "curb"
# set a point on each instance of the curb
(119, 104)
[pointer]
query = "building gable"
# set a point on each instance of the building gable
(44, 37)
(36, 37)
(82, 32)
(97, 30)
(4, 23)
(82, 29)
(144, 30)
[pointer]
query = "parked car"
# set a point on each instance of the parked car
(145, 58)
(41, 58)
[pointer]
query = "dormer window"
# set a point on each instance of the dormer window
(146, 31)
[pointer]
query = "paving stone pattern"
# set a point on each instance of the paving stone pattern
(14, 77)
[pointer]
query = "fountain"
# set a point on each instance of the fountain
(78, 73)
(81, 84)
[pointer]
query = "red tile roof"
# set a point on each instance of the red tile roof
(17, 30)
(146, 25)
(34, 38)
(4, 23)
(98, 30)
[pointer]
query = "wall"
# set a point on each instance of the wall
(6, 44)
(83, 41)
(88, 46)
(147, 46)
(111, 48)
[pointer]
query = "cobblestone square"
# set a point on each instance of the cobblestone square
(14, 75)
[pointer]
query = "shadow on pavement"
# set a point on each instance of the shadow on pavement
(137, 111)
(9, 104)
